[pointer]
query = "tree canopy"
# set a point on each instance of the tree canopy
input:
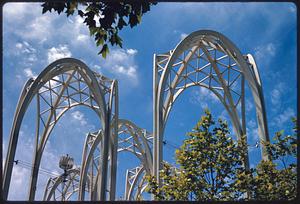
(103, 18)
(211, 168)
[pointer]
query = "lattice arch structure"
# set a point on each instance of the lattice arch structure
(61, 188)
(64, 84)
(130, 138)
(206, 58)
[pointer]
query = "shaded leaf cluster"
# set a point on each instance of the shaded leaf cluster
(103, 18)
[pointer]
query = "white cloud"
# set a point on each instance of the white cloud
(79, 116)
(130, 71)
(15, 10)
(82, 37)
(59, 52)
(78, 21)
(263, 53)
(202, 96)
(251, 124)
(277, 92)
(29, 73)
(248, 105)
(27, 50)
(121, 63)
(275, 96)
(183, 35)
(19, 45)
(252, 131)
(20, 178)
(283, 117)
(97, 67)
(252, 134)
(293, 8)
(131, 51)
(40, 28)
(21, 171)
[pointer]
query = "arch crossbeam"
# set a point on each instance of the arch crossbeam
(208, 59)
(205, 58)
(61, 188)
(135, 183)
(64, 84)
(130, 138)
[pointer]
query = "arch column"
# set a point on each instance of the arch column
(95, 100)
(164, 65)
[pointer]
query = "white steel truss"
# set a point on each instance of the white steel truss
(206, 58)
(62, 188)
(135, 183)
(64, 84)
(130, 139)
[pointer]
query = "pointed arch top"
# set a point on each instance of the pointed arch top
(205, 58)
(63, 84)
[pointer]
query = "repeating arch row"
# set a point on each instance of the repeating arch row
(204, 58)
(70, 187)
(137, 141)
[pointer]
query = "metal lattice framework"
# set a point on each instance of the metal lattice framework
(208, 59)
(64, 84)
(139, 142)
(204, 58)
(130, 139)
(135, 183)
(59, 190)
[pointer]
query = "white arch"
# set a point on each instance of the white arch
(207, 41)
(140, 139)
(67, 67)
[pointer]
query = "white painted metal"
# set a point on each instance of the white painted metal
(64, 84)
(137, 141)
(205, 58)
(135, 183)
(71, 186)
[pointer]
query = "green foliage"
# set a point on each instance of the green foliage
(113, 17)
(283, 146)
(209, 162)
(211, 168)
(272, 183)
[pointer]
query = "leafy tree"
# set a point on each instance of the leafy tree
(210, 168)
(209, 162)
(112, 17)
(271, 182)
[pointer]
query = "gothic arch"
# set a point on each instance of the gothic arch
(62, 85)
(206, 58)
(137, 142)
(69, 188)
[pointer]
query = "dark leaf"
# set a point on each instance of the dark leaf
(133, 20)
(104, 51)
(121, 23)
(80, 13)
(111, 13)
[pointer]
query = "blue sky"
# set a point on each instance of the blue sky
(32, 40)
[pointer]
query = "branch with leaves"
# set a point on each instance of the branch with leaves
(211, 168)
(104, 18)
(209, 161)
